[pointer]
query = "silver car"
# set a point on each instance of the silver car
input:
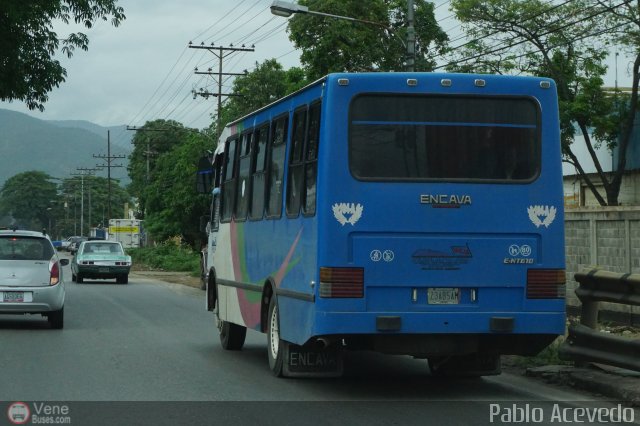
(31, 276)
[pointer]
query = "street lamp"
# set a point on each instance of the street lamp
(286, 9)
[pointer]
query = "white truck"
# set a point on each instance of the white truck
(129, 232)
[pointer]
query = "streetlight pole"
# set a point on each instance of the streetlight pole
(83, 172)
(411, 38)
(49, 216)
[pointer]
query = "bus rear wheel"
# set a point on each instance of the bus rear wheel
(275, 346)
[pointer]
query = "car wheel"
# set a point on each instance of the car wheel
(123, 279)
(73, 277)
(275, 345)
(79, 278)
(56, 319)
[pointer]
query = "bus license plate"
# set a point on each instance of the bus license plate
(443, 296)
(13, 296)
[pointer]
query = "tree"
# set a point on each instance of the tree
(561, 41)
(94, 208)
(624, 20)
(28, 71)
(335, 45)
(268, 82)
(150, 142)
(162, 168)
(172, 205)
(28, 198)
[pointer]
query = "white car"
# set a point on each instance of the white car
(31, 276)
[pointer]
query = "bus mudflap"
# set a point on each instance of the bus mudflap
(312, 361)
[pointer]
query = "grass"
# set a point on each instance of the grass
(548, 356)
(167, 257)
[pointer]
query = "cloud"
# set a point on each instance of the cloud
(147, 56)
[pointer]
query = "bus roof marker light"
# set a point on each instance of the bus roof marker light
(412, 82)
(545, 84)
(343, 82)
(445, 82)
(478, 82)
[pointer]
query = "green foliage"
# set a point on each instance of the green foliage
(167, 257)
(167, 194)
(95, 206)
(336, 45)
(29, 198)
(28, 71)
(548, 356)
(562, 41)
(260, 87)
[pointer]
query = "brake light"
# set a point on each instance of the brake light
(54, 268)
(341, 282)
(546, 284)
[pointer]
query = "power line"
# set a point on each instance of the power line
(221, 53)
(233, 23)
(521, 22)
(159, 86)
(109, 158)
(225, 15)
(516, 43)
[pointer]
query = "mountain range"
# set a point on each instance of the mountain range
(58, 148)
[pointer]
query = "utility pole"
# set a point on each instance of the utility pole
(411, 37)
(109, 158)
(148, 151)
(83, 172)
(220, 53)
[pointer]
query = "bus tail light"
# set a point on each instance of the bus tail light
(546, 284)
(341, 282)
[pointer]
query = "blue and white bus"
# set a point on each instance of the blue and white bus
(404, 213)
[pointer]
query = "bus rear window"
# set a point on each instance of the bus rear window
(402, 137)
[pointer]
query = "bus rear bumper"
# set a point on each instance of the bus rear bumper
(428, 334)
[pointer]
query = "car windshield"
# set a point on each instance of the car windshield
(102, 248)
(14, 247)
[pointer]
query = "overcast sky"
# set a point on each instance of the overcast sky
(143, 69)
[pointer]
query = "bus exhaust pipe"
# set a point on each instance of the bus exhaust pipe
(322, 343)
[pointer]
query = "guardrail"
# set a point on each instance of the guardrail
(584, 342)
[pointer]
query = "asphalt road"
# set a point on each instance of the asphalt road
(155, 342)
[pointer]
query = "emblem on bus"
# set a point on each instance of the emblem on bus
(445, 201)
(519, 255)
(347, 213)
(541, 215)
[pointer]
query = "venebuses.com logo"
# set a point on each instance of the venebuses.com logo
(18, 413)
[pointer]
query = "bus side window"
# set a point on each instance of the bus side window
(296, 163)
(311, 160)
(256, 209)
(229, 180)
(276, 166)
(244, 171)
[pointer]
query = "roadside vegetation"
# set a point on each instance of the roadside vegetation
(168, 256)
(548, 356)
